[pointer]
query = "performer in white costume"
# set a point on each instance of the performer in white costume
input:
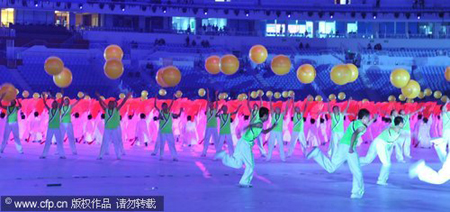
(382, 146)
(428, 175)
(243, 154)
(12, 125)
(254, 117)
(347, 152)
(276, 136)
(211, 131)
(66, 122)
(298, 133)
(442, 145)
(337, 125)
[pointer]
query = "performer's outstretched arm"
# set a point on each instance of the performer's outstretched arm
(124, 101)
(100, 100)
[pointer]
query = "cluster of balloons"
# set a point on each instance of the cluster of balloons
(62, 76)
(113, 67)
(9, 91)
(342, 74)
(400, 78)
(168, 76)
(340, 96)
(227, 64)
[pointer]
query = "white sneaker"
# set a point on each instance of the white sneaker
(356, 196)
(382, 183)
(413, 169)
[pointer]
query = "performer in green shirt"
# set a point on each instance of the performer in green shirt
(347, 152)
(254, 117)
(225, 128)
(66, 122)
(12, 125)
(112, 130)
(382, 146)
(244, 154)
(337, 125)
(404, 141)
(54, 122)
(211, 130)
(298, 133)
(276, 136)
(165, 118)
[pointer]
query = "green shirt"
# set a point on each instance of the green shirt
(165, 122)
(298, 122)
(66, 112)
(112, 119)
(12, 114)
(389, 135)
(446, 121)
(54, 118)
(252, 133)
(254, 116)
(347, 138)
(211, 118)
(337, 122)
(406, 125)
(278, 118)
(225, 124)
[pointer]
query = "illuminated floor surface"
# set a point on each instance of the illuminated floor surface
(201, 184)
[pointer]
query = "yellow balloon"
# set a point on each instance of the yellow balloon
(244, 96)
(102, 97)
(229, 64)
(53, 65)
(113, 68)
(437, 94)
(143, 98)
(444, 98)
(87, 97)
(291, 93)
(400, 77)
(410, 101)
(340, 74)
(113, 52)
(240, 97)
(121, 95)
(332, 97)
(310, 98)
(341, 95)
(306, 73)
(258, 54)
(9, 91)
(428, 92)
(144, 93)
(212, 64)
(354, 73)
(447, 73)
(36, 95)
(421, 95)
(80, 94)
(277, 95)
(162, 92)
(269, 93)
(285, 94)
(365, 100)
(178, 94)
(281, 64)
(411, 90)
(392, 98)
(318, 98)
(401, 97)
(58, 95)
(254, 94)
(63, 79)
(260, 92)
(201, 92)
(25, 94)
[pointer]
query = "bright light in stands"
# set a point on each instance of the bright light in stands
(246, 14)
(206, 13)
(123, 9)
(374, 17)
(331, 16)
(164, 11)
(81, 7)
(36, 5)
(289, 15)
(418, 17)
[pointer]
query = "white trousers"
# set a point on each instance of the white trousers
(260, 144)
(442, 145)
(335, 138)
(59, 142)
(427, 174)
(403, 145)
(297, 136)
(243, 155)
(384, 150)
(210, 132)
(111, 136)
(227, 138)
(342, 155)
(161, 143)
(68, 128)
(14, 128)
(276, 136)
